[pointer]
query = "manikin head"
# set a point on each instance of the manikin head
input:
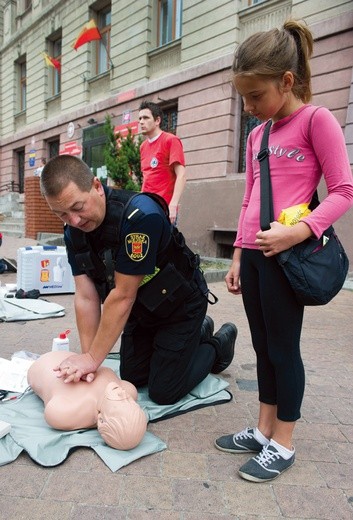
(121, 422)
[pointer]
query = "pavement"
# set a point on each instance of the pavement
(191, 480)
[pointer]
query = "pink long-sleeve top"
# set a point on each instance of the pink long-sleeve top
(303, 146)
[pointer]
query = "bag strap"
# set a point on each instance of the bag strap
(266, 206)
(266, 203)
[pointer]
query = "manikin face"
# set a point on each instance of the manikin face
(149, 126)
(264, 98)
(121, 422)
(81, 209)
(115, 402)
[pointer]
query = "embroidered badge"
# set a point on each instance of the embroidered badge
(154, 162)
(137, 246)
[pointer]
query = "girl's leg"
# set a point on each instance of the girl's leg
(267, 419)
(275, 321)
(273, 428)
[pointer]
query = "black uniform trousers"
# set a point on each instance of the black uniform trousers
(165, 353)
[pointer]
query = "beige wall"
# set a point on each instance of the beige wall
(194, 70)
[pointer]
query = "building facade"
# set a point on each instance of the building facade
(54, 98)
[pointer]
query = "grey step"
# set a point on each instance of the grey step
(13, 220)
(53, 239)
(12, 226)
(18, 214)
(17, 233)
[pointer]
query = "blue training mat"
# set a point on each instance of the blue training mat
(50, 447)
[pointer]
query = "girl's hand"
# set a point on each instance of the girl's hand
(280, 237)
(232, 278)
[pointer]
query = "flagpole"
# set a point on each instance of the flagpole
(106, 50)
(72, 72)
(65, 67)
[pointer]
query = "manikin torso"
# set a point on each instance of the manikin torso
(71, 406)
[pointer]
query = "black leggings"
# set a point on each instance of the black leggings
(275, 320)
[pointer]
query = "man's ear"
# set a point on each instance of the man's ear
(158, 121)
(98, 185)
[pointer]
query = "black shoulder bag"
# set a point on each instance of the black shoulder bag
(315, 268)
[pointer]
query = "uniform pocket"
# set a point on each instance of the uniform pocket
(165, 292)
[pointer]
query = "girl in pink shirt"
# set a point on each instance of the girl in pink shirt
(272, 74)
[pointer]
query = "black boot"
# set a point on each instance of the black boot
(224, 345)
(206, 329)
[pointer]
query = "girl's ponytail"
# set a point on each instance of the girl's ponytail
(304, 43)
(271, 53)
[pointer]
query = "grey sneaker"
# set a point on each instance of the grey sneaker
(242, 442)
(267, 465)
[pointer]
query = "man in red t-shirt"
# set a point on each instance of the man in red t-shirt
(162, 158)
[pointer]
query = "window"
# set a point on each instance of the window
(54, 51)
(56, 74)
(103, 45)
(170, 119)
(22, 84)
(94, 140)
(20, 159)
(169, 21)
(53, 147)
(247, 124)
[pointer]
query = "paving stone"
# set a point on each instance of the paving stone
(147, 493)
(192, 480)
(313, 503)
(30, 509)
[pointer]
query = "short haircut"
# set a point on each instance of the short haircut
(155, 109)
(60, 171)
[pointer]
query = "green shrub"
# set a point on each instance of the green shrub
(122, 158)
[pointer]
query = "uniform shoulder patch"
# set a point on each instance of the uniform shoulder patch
(137, 246)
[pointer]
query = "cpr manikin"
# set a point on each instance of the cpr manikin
(107, 403)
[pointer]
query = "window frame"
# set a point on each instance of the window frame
(22, 84)
(103, 46)
(54, 45)
(170, 118)
(255, 2)
(169, 11)
(247, 123)
(56, 74)
(53, 147)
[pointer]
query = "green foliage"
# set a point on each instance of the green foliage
(122, 158)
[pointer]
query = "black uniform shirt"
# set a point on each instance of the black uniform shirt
(144, 232)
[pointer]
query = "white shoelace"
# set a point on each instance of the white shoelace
(244, 435)
(267, 456)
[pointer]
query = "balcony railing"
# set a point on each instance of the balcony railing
(10, 186)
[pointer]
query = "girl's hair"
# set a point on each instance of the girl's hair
(60, 171)
(274, 52)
